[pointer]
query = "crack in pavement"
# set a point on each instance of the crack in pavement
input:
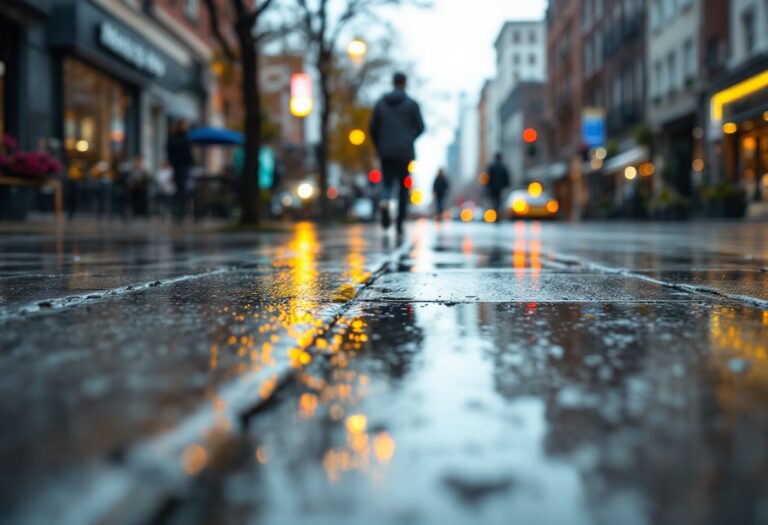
(691, 288)
(143, 482)
(54, 305)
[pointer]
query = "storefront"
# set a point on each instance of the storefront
(738, 131)
(118, 91)
(21, 37)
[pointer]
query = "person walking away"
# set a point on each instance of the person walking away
(395, 125)
(139, 180)
(440, 190)
(165, 190)
(498, 181)
(179, 152)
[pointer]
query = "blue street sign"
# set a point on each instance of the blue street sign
(593, 127)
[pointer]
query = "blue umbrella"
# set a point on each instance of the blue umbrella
(216, 136)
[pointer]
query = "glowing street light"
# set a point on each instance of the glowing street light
(305, 190)
(357, 137)
(301, 95)
(357, 49)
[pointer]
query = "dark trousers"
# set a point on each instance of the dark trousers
(439, 205)
(394, 173)
(496, 204)
(180, 198)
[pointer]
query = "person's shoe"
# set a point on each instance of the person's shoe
(384, 209)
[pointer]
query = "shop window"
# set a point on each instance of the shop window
(689, 61)
(748, 30)
(95, 109)
(191, 8)
(672, 72)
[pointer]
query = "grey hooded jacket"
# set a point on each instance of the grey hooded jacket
(395, 125)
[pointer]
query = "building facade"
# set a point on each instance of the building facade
(522, 118)
(564, 104)
(520, 58)
(737, 106)
(675, 82)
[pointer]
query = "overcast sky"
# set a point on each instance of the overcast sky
(451, 48)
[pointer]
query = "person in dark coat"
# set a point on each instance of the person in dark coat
(440, 190)
(498, 181)
(395, 125)
(179, 152)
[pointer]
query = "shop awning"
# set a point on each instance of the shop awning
(631, 157)
(215, 136)
(548, 172)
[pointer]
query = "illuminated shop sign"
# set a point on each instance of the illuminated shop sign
(131, 50)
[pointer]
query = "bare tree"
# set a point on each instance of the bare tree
(323, 23)
(247, 21)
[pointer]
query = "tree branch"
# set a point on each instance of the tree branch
(215, 27)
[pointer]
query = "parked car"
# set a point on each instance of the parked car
(520, 204)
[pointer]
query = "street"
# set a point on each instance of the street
(476, 373)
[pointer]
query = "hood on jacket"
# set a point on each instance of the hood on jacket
(395, 98)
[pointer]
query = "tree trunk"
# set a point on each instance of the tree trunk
(249, 191)
(324, 68)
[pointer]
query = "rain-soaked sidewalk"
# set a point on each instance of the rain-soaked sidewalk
(476, 373)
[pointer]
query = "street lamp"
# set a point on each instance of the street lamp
(305, 191)
(357, 137)
(357, 49)
(301, 95)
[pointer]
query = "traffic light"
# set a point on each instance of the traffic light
(374, 176)
(530, 136)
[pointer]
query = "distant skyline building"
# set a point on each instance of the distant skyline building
(520, 57)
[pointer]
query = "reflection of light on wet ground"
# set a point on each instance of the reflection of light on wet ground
(255, 338)
(740, 344)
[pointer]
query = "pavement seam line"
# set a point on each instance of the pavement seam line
(694, 289)
(59, 304)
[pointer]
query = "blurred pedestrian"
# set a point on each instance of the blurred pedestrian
(440, 190)
(164, 190)
(138, 182)
(498, 181)
(395, 125)
(179, 152)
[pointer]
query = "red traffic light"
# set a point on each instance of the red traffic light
(374, 176)
(408, 182)
(530, 135)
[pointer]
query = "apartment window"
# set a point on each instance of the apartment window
(639, 81)
(532, 59)
(532, 37)
(617, 92)
(671, 9)
(516, 37)
(191, 8)
(599, 51)
(748, 29)
(587, 7)
(658, 79)
(598, 9)
(655, 14)
(588, 57)
(628, 11)
(689, 61)
(515, 58)
(672, 72)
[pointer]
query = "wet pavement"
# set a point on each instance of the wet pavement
(528, 373)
